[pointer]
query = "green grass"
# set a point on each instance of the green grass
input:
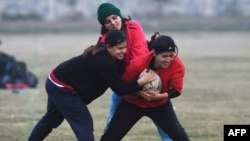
(216, 89)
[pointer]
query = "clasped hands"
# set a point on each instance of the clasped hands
(147, 94)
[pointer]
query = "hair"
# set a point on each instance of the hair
(113, 38)
(164, 44)
(123, 28)
(93, 50)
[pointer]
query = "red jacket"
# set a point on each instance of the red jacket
(137, 43)
(171, 77)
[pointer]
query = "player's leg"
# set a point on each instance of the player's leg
(164, 135)
(65, 103)
(52, 119)
(76, 113)
(126, 115)
(79, 118)
(114, 100)
(168, 122)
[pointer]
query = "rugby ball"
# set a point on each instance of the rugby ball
(156, 84)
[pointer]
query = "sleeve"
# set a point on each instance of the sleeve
(172, 93)
(109, 73)
(130, 73)
(177, 78)
(137, 40)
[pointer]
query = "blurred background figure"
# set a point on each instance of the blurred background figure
(14, 74)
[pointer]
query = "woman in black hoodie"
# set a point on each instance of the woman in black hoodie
(76, 82)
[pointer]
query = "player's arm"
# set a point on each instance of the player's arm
(150, 95)
(154, 95)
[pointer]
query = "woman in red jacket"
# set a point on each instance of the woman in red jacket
(155, 105)
(109, 16)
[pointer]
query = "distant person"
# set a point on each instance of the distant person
(155, 105)
(110, 18)
(14, 74)
(76, 82)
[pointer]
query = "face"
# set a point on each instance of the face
(118, 51)
(113, 22)
(163, 59)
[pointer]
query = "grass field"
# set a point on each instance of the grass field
(216, 90)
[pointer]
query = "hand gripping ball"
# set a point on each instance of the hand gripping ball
(156, 84)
